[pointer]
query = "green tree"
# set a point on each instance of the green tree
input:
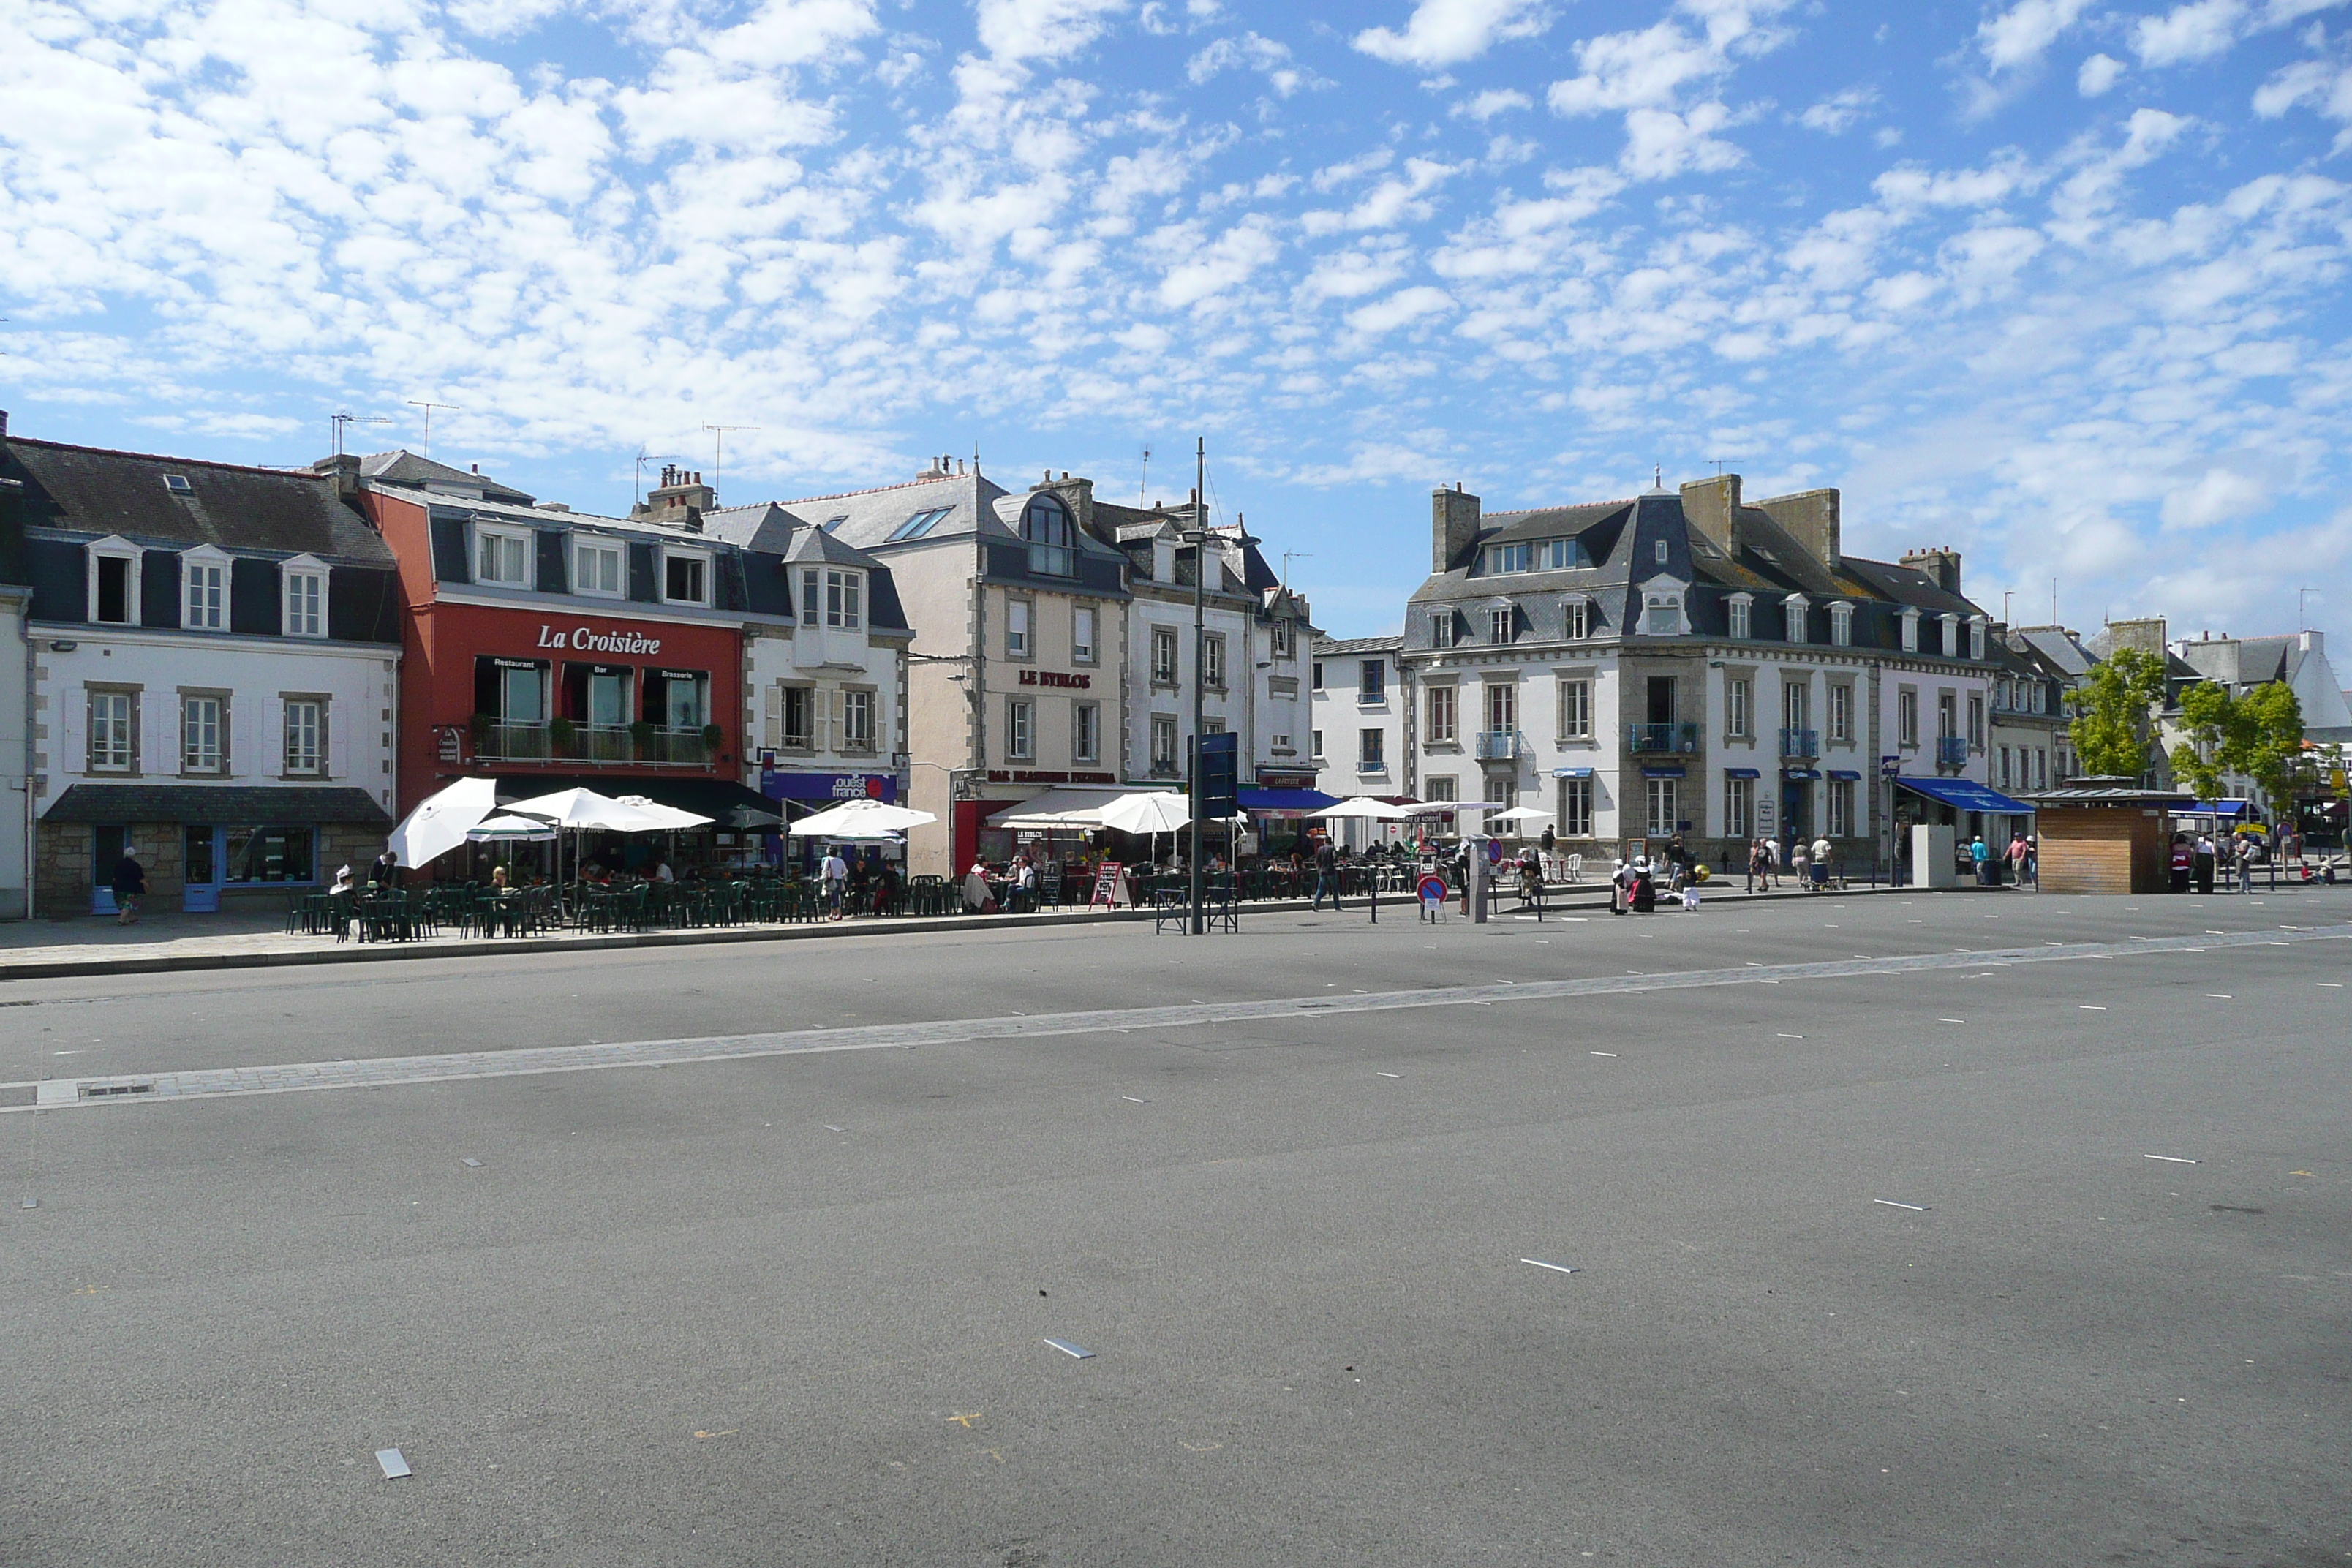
(2258, 736)
(2111, 713)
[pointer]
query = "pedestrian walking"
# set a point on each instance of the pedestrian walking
(1801, 862)
(835, 873)
(1822, 849)
(1980, 856)
(2203, 864)
(130, 884)
(1327, 874)
(2245, 853)
(2184, 858)
(1760, 867)
(2016, 854)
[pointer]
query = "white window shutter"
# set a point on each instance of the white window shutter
(774, 730)
(69, 753)
(338, 721)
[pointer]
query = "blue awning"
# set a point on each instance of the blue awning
(1966, 794)
(1741, 773)
(1571, 773)
(1294, 801)
(2213, 808)
(1800, 773)
(1673, 772)
(1843, 774)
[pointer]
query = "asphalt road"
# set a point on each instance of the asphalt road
(792, 1309)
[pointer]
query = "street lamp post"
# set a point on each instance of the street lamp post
(1200, 537)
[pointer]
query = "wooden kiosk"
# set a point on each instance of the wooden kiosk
(2105, 835)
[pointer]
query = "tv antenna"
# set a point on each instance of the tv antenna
(335, 424)
(429, 408)
(1143, 485)
(718, 434)
(643, 458)
(1290, 555)
(2304, 620)
(1721, 464)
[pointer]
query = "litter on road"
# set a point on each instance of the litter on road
(1951, 1020)
(2090, 1008)
(1604, 1053)
(1132, 1100)
(476, 1164)
(1389, 1074)
(395, 1466)
(1068, 1349)
(1890, 1202)
(2220, 996)
(2169, 1159)
(1555, 1268)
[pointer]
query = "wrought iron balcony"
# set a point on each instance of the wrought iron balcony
(1499, 745)
(1800, 742)
(1671, 740)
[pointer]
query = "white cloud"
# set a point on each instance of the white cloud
(1405, 306)
(1018, 30)
(1635, 71)
(2323, 85)
(2216, 496)
(1485, 106)
(1352, 274)
(1660, 143)
(1836, 114)
(2017, 37)
(1443, 33)
(1248, 52)
(2198, 30)
(2099, 73)
(1229, 260)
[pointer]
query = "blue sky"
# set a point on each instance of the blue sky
(2058, 282)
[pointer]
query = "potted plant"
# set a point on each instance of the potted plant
(561, 730)
(479, 727)
(711, 735)
(642, 732)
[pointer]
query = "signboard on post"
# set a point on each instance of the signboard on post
(1216, 777)
(1110, 883)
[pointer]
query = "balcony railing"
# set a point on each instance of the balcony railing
(1952, 751)
(596, 745)
(1499, 745)
(1800, 742)
(1674, 740)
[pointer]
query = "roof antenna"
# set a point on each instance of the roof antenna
(429, 408)
(975, 459)
(1721, 464)
(718, 434)
(1658, 476)
(335, 427)
(1143, 485)
(643, 458)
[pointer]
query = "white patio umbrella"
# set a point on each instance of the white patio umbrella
(859, 819)
(668, 816)
(1146, 811)
(438, 825)
(586, 810)
(503, 829)
(1365, 808)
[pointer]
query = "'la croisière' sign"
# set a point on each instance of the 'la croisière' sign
(586, 641)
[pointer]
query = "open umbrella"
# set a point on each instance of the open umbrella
(1146, 811)
(504, 829)
(1365, 808)
(438, 825)
(859, 819)
(585, 810)
(668, 816)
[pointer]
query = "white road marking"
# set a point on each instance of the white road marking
(2169, 1159)
(1890, 1202)
(1555, 1268)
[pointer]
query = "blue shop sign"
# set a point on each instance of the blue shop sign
(829, 787)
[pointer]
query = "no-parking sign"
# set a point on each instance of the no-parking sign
(1431, 889)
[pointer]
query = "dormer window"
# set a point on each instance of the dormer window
(1501, 558)
(1561, 554)
(114, 583)
(1441, 629)
(600, 567)
(838, 597)
(1661, 613)
(203, 589)
(686, 578)
(1841, 625)
(1910, 631)
(1793, 611)
(502, 556)
(1502, 625)
(1977, 638)
(1575, 619)
(1951, 635)
(1046, 528)
(1743, 607)
(302, 583)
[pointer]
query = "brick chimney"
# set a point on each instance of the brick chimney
(1452, 527)
(1712, 508)
(680, 499)
(1941, 563)
(1811, 518)
(344, 468)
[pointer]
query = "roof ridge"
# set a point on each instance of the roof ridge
(302, 473)
(871, 490)
(1558, 506)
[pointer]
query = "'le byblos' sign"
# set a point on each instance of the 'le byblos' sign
(586, 641)
(1053, 678)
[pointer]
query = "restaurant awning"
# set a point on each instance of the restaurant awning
(2214, 808)
(1053, 803)
(1966, 794)
(1741, 773)
(1283, 802)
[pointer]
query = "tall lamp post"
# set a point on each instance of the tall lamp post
(1198, 537)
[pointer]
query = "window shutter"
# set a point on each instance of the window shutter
(644, 574)
(335, 745)
(773, 734)
(159, 588)
(450, 564)
(256, 598)
(73, 733)
(554, 569)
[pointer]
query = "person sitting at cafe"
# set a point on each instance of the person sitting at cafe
(976, 894)
(498, 878)
(661, 871)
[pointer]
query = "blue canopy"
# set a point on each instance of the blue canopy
(2214, 808)
(1294, 801)
(1967, 794)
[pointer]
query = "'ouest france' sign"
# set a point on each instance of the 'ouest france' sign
(585, 640)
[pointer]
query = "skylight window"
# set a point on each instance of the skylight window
(915, 527)
(178, 485)
(832, 522)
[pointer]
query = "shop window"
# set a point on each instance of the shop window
(271, 854)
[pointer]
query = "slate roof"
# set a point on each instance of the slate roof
(868, 518)
(407, 469)
(93, 490)
(1342, 646)
(2060, 647)
(246, 804)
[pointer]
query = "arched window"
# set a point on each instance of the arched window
(1045, 528)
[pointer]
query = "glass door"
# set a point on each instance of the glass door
(202, 845)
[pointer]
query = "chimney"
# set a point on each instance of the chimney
(4, 422)
(344, 469)
(1712, 508)
(1811, 518)
(2146, 635)
(1941, 563)
(1452, 527)
(2313, 641)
